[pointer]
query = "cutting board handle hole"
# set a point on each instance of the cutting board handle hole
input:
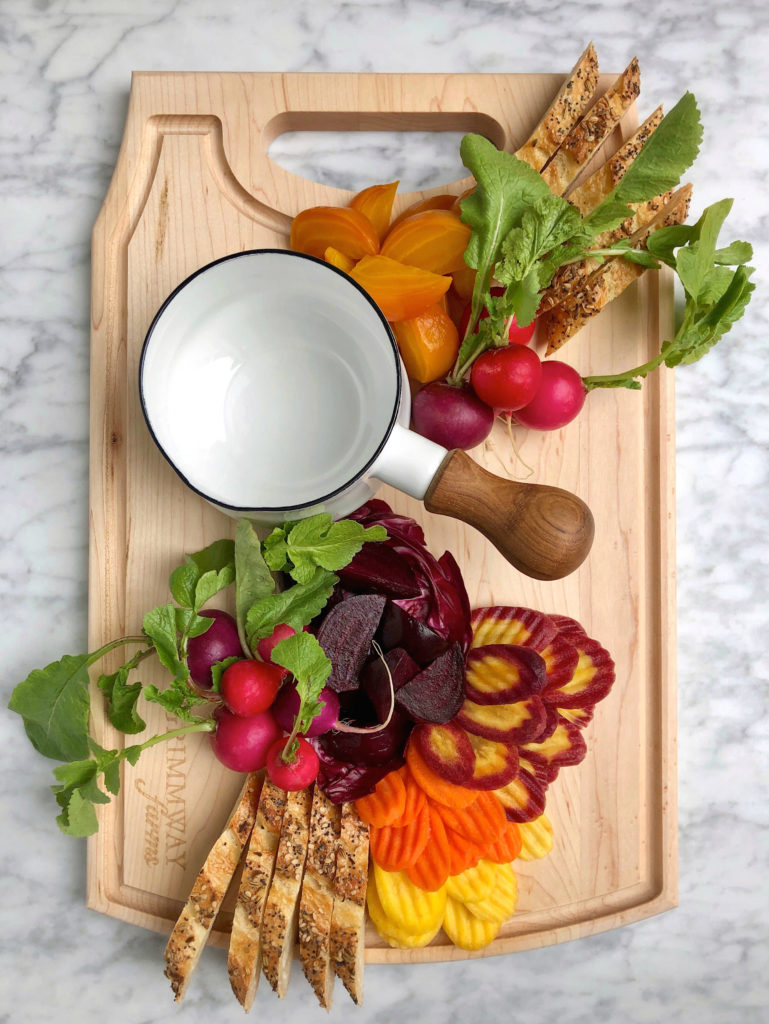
(353, 150)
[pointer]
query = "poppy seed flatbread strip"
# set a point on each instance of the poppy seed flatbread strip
(601, 182)
(609, 281)
(244, 961)
(196, 920)
(316, 903)
(569, 279)
(349, 914)
(566, 109)
(281, 912)
(585, 138)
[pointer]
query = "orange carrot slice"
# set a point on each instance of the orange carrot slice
(395, 849)
(463, 854)
(506, 847)
(416, 800)
(433, 866)
(433, 785)
(482, 822)
(385, 804)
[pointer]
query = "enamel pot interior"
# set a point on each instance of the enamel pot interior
(270, 381)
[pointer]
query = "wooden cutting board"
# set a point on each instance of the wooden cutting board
(193, 182)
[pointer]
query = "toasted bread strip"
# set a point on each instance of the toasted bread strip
(317, 899)
(281, 911)
(564, 112)
(571, 278)
(194, 925)
(609, 281)
(348, 919)
(597, 187)
(244, 961)
(585, 138)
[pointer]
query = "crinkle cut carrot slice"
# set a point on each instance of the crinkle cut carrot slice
(481, 823)
(463, 854)
(433, 866)
(395, 849)
(386, 804)
(502, 624)
(416, 799)
(506, 847)
(434, 786)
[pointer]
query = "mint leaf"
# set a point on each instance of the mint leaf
(215, 557)
(160, 626)
(296, 606)
(308, 663)
(218, 669)
(211, 582)
(122, 697)
(54, 704)
(253, 580)
(318, 541)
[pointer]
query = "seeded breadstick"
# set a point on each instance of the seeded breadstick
(196, 920)
(281, 911)
(585, 138)
(609, 281)
(244, 962)
(564, 112)
(597, 187)
(317, 899)
(349, 915)
(571, 278)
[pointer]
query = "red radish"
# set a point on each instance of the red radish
(507, 378)
(451, 416)
(219, 641)
(559, 398)
(287, 704)
(519, 335)
(265, 647)
(248, 687)
(242, 743)
(297, 773)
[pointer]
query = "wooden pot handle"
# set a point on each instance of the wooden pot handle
(543, 531)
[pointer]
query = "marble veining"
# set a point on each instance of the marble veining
(64, 77)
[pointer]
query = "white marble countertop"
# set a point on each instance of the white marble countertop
(64, 74)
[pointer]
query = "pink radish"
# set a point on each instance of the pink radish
(559, 398)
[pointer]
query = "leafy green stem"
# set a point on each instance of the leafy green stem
(201, 725)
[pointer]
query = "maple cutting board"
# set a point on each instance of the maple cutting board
(193, 182)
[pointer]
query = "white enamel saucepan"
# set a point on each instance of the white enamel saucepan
(272, 384)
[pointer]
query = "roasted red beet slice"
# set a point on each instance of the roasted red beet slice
(375, 683)
(437, 693)
(399, 629)
(369, 748)
(346, 634)
(380, 568)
